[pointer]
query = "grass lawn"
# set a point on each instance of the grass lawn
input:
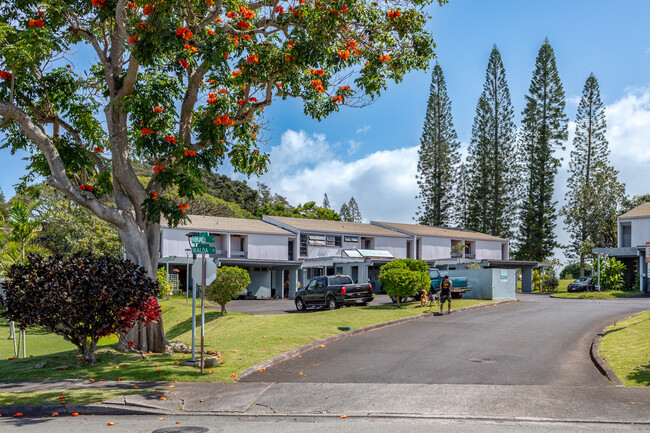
(564, 283)
(72, 396)
(626, 349)
(243, 340)
(607, 294)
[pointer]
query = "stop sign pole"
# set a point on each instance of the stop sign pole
(201, 245)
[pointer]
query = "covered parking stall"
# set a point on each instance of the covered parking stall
(269, 279)
(635, 261)
(526, 267)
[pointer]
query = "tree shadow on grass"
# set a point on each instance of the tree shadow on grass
(186, 325)
(641, 375)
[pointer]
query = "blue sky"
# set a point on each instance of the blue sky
(371, 153)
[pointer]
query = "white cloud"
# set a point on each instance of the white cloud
(363, 130)
(628, 133)
(382, 183)
(354, 146)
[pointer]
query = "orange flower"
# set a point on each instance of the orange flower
(240, 101)
(222, 91)
(183, 63)
(231, 15)
(394, 14)
(252, 59)
(218, 20)
(189, 153)
(210, 31)
(148, 9)
(98, 3)
(246, 13)
(300, 373)
(344, 54)
(317, 72)
(158, 168)
(133, 40)
(384, 58)
(134, 387)
(287, 58)
(191, 48)
(344, 88)
(74, 414)
(158, 109)
(146, 131)
(163, 398)
(170, 139)
(236, 72)
(36, 23)
(5, 75)
(279, 10)
(243, 25)
(343, 416)
(98, 150)
(54, 414)
(233, 375)
(18, 414)
(110, 423)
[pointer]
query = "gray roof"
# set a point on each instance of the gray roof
(445, 232)
(337, 227)
(230, 225)
(641, 211)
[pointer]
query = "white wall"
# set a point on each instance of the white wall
(488, 250)
(268, 247)
(260, 285)
(435, 248)
(396, 246)
(640, 231)
(174, 242)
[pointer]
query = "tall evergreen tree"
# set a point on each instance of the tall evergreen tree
(594, 192)
(438, 156)
(326, 202)
(345, 213)
(544, 130)
(492, 164)
(355, 213)
(461, 208)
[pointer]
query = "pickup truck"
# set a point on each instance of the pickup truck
(332, 291)
(459, 285)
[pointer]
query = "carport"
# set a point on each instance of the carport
(525, 266)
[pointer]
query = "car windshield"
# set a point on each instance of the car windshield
(582, 280)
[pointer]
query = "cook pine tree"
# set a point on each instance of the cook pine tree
(544, 130)
(326, 202)
(594, 192)
(438, 156)
(355, 213)
(492, 166)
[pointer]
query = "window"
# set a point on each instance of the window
(333, 241)
(339, 281)
(241, 244)
(626, 235)
(351, 238)
(303, 245)
(317, 240)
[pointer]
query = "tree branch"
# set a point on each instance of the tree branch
(58, 177)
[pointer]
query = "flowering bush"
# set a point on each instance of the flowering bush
(82, 297)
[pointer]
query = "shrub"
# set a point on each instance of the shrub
(166, 286)
(404, 277)
(82, 297)
(229, 282)
(611, 275)
(549, 283)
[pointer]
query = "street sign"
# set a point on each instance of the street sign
(204, 249)
(202, 238)
(210, 271)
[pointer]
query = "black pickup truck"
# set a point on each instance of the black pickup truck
(332, 292)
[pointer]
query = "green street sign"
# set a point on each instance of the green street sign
(204, 249)
(203, 238)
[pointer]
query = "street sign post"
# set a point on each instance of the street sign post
(201, 245)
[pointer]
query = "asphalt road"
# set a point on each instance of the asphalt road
(211, 424)
(538, 341)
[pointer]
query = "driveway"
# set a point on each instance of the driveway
(279, 306)
(538, 341)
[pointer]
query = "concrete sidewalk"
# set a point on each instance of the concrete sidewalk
(612, 404)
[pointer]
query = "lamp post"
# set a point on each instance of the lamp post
(189, 237)
(188, 251)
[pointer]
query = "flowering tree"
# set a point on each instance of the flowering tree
(89, 86)
(81, 298)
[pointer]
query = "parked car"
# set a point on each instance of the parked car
(332, 292)
(459, 285)
(582, 284)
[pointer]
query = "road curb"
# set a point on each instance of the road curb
(63, 410)
(295, 352)
(598, 361)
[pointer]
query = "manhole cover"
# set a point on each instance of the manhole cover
(481, 360)
(187, 429)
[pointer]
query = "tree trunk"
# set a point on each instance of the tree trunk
(142, 248)
(582, 264)
(223, 309)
